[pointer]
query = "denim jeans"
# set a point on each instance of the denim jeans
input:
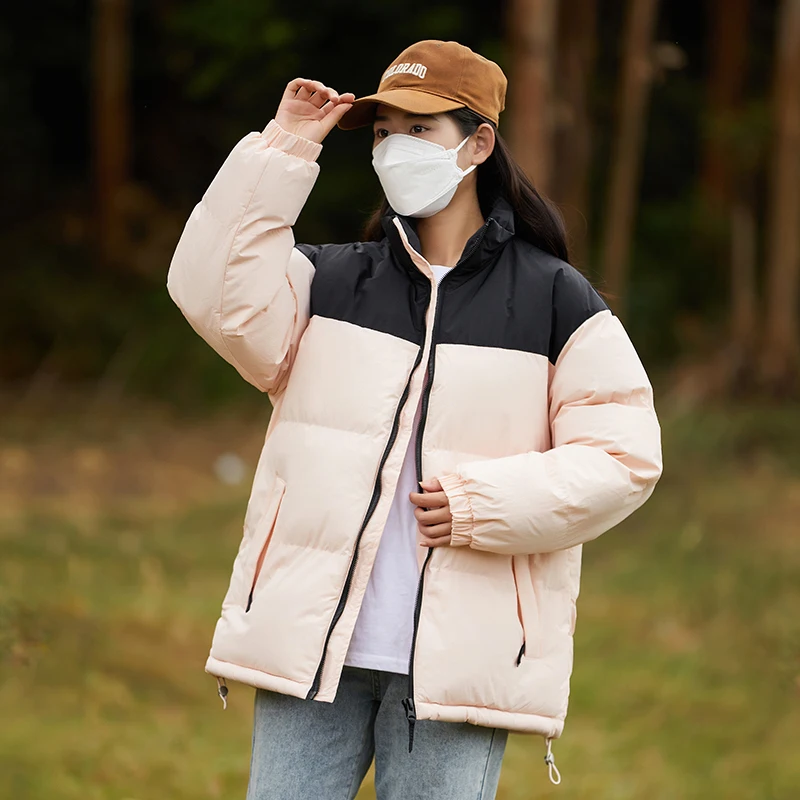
(308, 749)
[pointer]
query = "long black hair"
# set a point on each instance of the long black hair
(536, 219)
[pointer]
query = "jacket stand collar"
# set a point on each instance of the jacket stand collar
(480, 250)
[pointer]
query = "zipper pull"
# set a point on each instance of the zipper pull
(552, 769)
(521, 653)
(411, 716)
(222, 691)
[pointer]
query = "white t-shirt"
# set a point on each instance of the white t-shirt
(382, 635)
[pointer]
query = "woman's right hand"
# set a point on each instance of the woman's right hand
(311, 110)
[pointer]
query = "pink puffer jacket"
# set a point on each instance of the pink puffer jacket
(538, 420)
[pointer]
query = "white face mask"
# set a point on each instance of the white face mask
(419, 177)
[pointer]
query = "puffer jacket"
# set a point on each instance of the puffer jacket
(537, 418)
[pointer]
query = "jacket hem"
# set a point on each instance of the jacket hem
(257, 678)
(548, 727)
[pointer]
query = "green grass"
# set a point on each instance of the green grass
(687, 659)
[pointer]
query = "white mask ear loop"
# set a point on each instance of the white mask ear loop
(468, 169)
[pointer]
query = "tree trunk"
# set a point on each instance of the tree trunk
(634, 94)
(780, 366)
(577, 37)
(743, 296)
(726, 187)
(728, 35)
(110, 112)
(532, 32)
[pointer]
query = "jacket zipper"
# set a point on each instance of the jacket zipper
(376, 494)
(408, 702)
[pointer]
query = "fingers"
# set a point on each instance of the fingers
(435, 536)
(317, 94)
(314, 92)
(311, 100)
(433, 516)
(445, 542)
(429, 499)
(302, 88)
(340, 106)
(335, 113)
(292, 88)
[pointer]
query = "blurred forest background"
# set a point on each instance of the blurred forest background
(669, 135)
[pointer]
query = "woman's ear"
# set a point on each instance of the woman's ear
(484, 139)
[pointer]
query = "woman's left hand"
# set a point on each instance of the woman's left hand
(435, 523)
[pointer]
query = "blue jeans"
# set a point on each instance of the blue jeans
(307, 749)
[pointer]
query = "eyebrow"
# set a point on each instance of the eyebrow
(408, 115)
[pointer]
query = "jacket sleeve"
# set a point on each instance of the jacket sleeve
(236, 275)
(606, 444)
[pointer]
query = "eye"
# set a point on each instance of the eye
(381, 133)
(418, 129)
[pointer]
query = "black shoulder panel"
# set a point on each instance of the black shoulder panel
(523, 299)
(361, 283)
(574, 301)
(526, 300)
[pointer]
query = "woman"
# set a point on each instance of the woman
(456, 411)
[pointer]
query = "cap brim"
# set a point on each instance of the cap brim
(363, 111)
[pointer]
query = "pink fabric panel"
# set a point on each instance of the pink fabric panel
(235, 273)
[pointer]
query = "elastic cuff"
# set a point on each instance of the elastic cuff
(290, 143)
(461, 509)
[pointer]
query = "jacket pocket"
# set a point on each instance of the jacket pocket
(528, 608)
(524, 644)
(262, 538)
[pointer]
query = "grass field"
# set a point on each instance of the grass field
(117, 542)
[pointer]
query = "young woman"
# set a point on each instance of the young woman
(456, 411)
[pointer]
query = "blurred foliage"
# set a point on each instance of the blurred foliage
(205, 73)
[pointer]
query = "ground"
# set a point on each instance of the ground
(117, 540)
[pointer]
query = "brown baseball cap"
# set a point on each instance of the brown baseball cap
(431, 77)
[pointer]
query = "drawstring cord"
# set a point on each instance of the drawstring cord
(222, 690)
(552, 769)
